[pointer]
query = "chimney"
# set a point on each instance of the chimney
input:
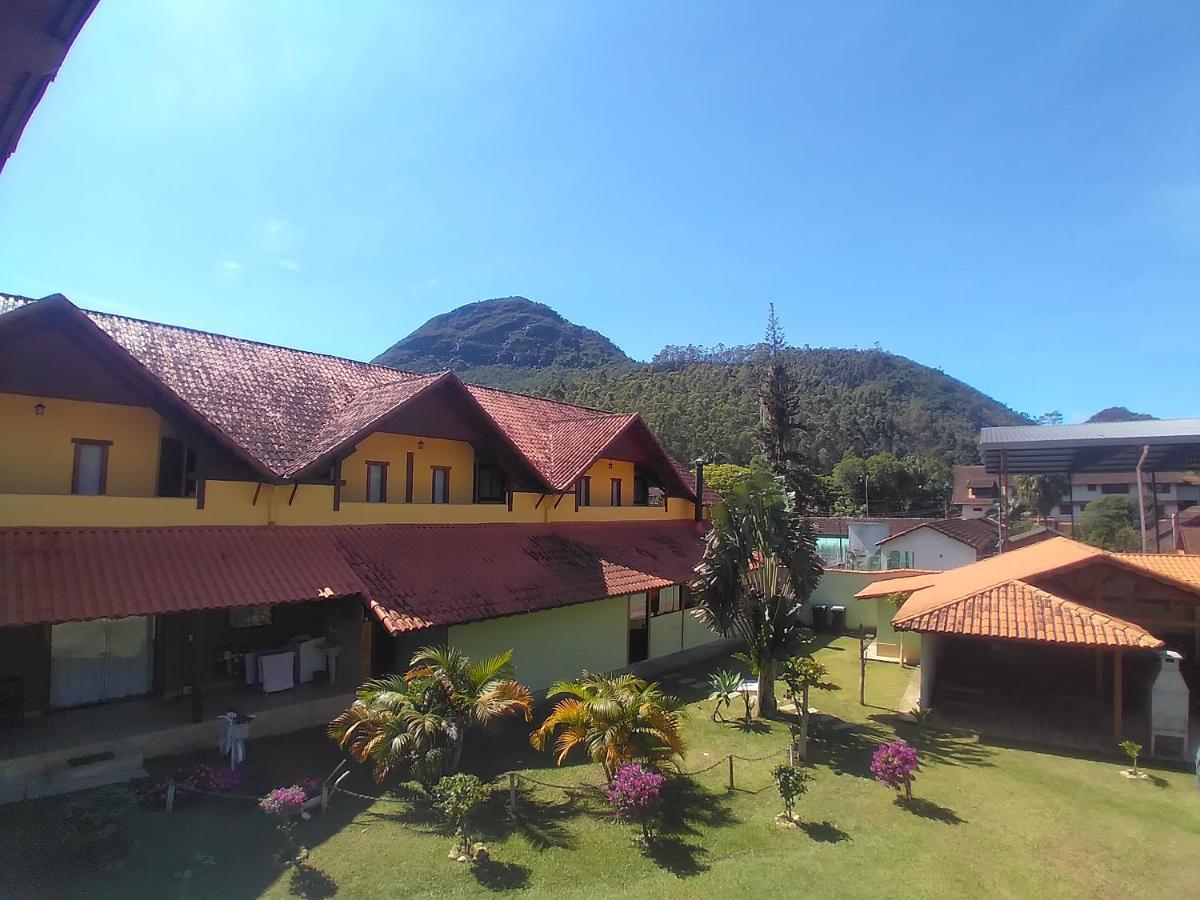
(699, 489)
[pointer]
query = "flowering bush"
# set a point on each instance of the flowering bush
(201, 777)
(636, 795)
(285, 801)
(895, 764)
(459, 798)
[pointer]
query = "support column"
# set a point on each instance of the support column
(196, 638)
(1099, 672)
(1118, 713)
(366, 645)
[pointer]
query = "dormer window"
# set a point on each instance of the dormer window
(377, 482)
(641, 491)
(441, 484)
(490, 484)
(90, 473)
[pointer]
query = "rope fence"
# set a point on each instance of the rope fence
(332, 784)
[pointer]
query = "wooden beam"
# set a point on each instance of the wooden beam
(198, 654)
(1118, 713)
(540, 498)
(292, 495)
(366, 645)
(257, 488)
(1099, 672)
(337, 485)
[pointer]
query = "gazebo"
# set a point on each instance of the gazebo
(1061, 621)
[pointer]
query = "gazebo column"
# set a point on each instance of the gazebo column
(1099, 671)
(1118, 715)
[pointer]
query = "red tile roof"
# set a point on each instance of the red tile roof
(411, 576)
(981, 534)
(971, 477)
(839, 526)
(1016, 610)
(59, 575)
(287, 409)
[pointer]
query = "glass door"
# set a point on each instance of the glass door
(104, 659)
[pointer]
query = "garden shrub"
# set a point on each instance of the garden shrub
(895, 764)
(636, 796)
(459, 797)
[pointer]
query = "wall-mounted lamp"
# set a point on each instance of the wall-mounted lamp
(420, 445)
(39, 409)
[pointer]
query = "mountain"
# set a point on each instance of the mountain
(702, 401)
(1120, 414)
(509, 331)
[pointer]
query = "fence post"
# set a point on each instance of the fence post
(791, 754)
(324, 798)
(171, 795)
(731, 771)
(512, 794)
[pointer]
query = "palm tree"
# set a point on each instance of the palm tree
(760, 564)
(1041, 493)
(617, 719)
(419, 721)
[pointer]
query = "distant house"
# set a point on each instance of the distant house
(945, 543)
(853, 541)
(975, 491)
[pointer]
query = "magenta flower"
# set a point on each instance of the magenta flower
(895, 764)
(285, 801)
(636, 795)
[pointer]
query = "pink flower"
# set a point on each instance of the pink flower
(286, 801)
(895, 764)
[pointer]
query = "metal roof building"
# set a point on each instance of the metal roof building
(1169, 444)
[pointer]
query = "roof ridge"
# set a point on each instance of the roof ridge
(242, 340)
(512, 393)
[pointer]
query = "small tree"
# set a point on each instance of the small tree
(284, 805)
(792, 783)
(801, 674)
(459, 797)
(1110, 523)
(1132, 750)
(724, 685)
(636, 796)
(895, 764)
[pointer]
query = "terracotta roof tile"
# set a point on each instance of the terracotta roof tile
(59, 575)
(1015, 610)
(411, 576)
(286, 408)
(980, 534)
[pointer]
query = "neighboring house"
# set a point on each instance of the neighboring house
(945, 543)
(853, 542)
(976, 492)
(188, 515)
(1059, 640)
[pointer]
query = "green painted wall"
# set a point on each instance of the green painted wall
(696, 632)
(666, 634)
(837, 588)
(555, 644)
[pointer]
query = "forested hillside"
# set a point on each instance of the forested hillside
(703, 401)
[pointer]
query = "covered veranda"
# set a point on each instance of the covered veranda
(1055, 643)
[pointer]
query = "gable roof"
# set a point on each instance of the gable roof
(288, 411)
(981, 535)
(966, 477)
(1015, 610)
(1027, 564)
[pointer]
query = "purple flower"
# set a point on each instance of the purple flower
(895, 764)
(635, 791)
(286, 801)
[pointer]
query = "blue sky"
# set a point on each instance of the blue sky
(1010, 192)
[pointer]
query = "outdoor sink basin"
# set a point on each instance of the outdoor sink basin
(332, 652)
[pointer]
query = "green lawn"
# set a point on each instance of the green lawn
(992, 821)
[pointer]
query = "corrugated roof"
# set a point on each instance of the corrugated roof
(1019, 611)
(288, 408)
(411, 576)
(1047, 449)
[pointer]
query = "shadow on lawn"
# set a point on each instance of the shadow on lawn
(501, 876)
(927, 809)
(953, 747)
(310, 882)
(687, 807)
(825, 832)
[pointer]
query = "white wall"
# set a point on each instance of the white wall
(932, 550)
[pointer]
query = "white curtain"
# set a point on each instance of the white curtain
(103, 659)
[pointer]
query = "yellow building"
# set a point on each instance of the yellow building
(188, 514)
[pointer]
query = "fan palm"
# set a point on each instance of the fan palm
(419, 721)
(616, 719)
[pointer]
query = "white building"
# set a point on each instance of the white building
(945, 543)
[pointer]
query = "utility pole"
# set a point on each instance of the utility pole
(867, 493)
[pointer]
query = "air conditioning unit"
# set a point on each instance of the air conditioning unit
(1169, 708)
